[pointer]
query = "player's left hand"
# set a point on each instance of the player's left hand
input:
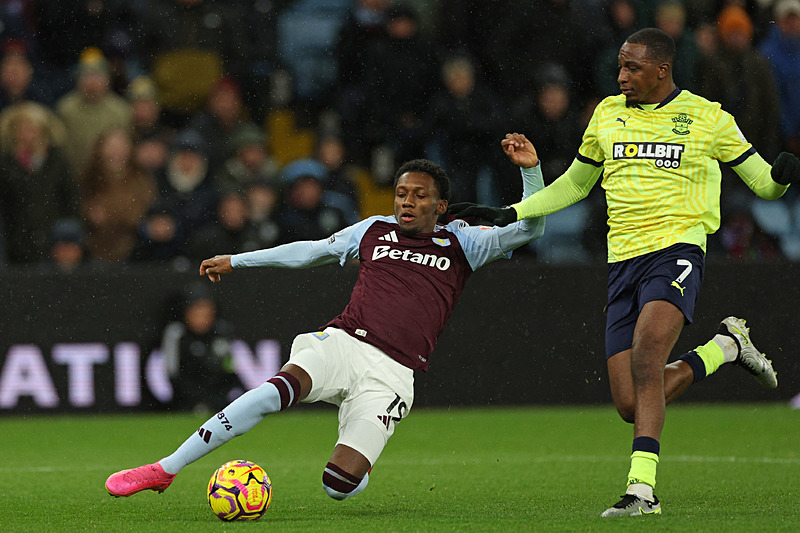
(786, 168)
(216, 266)
(496, 216)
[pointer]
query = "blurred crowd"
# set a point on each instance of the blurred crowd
(171, 130)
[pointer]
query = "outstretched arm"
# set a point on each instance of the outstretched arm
(522, 153)
(571, 187)
(483, 245)
(339, 247)
(769, 182)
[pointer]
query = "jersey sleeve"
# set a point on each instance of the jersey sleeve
(729, 144)
(340, 247)
(756, 173)
(590, 151)
(575, 183)
(571, 187)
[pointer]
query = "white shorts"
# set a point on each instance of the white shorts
(373, 391)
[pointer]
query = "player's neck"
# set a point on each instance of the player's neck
(662, 94)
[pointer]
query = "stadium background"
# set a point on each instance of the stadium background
(527, 331)
(523, 333)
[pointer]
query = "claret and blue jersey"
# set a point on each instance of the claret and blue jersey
(407, 285)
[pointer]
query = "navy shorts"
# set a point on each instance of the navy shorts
(673, 274)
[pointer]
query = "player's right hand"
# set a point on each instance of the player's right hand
(216, 266)
(520, 150)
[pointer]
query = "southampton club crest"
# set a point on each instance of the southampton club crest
(682, 122)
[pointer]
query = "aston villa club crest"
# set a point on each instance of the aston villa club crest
(682, 122)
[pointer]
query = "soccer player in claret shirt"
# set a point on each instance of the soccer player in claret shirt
(412, 271)
(658, 149)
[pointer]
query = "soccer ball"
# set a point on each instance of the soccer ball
(239, 490)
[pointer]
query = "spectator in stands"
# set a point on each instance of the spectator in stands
(151, 136)
(396, 107)
(782, 48)
(464, 122)
(364, 26)
(561, 39)
(552, 114)
(223, 114)
(67, 27)
(304, 215)
(189, 45)
(740, 78)
(16, 77)
(185, 184)
(342, 175)
(471, 28)
(624, 18)
(249, 163)
(670, 17)
(231, 227)
(35, 179)
(68, 247)
(197, 355)
(160, 236)
(145, 110)
(341, 204)
(260, 29)
(90, 109)
(262, 207)
(19, 21)
(116, 196)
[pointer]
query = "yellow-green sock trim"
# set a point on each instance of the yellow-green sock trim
(643, 468)
(712, 356)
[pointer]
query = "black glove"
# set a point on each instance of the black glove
(496, 216)
(786, 168)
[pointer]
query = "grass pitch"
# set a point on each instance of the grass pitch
(723, 468)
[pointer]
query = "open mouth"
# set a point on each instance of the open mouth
(407, 217)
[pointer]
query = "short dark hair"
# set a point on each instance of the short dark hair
(440, 177)
(660, 46)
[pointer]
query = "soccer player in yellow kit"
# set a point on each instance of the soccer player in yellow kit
(658, 149)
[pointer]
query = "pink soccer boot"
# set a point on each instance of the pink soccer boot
(127, 482)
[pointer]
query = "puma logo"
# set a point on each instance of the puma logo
(677, 286)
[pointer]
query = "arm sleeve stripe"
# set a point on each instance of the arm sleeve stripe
(588, 161)
(742, 158)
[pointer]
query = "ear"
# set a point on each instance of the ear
(441, 208)
(664, 71)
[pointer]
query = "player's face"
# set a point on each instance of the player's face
(641, 79)
(416, 203)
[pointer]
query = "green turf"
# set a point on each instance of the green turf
(723, 468)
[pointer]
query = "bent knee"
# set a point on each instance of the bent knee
(627, 412)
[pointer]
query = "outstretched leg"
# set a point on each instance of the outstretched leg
(732, 344)
(282, 391)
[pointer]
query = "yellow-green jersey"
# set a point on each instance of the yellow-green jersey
(660, 172)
